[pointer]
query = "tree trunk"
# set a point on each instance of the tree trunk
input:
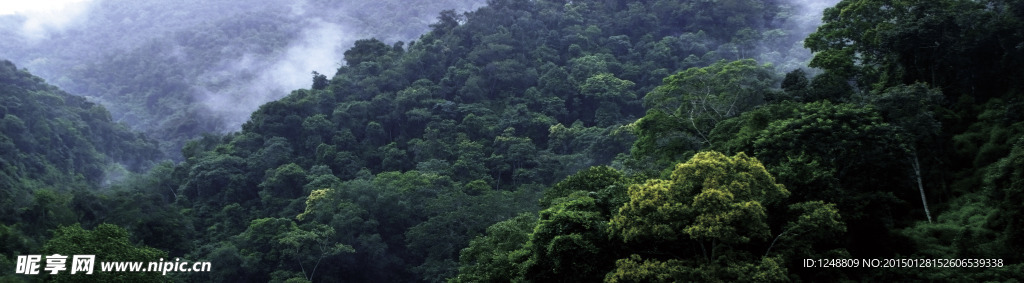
(920, 185)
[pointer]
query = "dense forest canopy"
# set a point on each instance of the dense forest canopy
(544, 141)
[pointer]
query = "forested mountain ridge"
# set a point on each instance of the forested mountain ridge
(175, 70)
(425, 161)
(52, 139)
(57, 152)
(409, 145)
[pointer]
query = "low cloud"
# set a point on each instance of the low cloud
(805, 20)
(43, 18)
(234, 91)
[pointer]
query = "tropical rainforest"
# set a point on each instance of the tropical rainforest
(520, 140)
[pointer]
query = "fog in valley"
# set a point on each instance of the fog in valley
(176, 69)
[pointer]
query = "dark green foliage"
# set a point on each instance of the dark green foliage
(319, 81)
(567, 240)
(1005, 186)
(707, 223)
(498, 255)
(60, 139)
(603, 182)
(838, 153)
(964, 47)
(56, 150)
(688, 105)
(570, 241)
(427, 161)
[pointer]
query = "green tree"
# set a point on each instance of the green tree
(317, 243)
(847, 41)
(570, 241)
(454, 217)
(366, 50)
(911, 109)
(701, 97)
(109, 243)
(607, 95)
(320, 82)
(498, 254)
(887, 43)
(713, 199)
(721, 205)
(1005, 185)
(283, 188)
(279, 244)
(839, 153)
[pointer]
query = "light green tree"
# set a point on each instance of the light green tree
(719, 205)
(109, 243)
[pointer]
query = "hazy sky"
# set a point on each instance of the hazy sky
(44, 16)
(8, 7)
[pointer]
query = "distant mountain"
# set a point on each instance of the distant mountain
(177, 69)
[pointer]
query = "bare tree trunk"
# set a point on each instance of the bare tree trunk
(920, 186)
(776, 239)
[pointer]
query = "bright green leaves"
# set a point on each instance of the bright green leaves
(109, 243)
(317, 200)
(637, 269)
(709, 221)
(721, 204)
(712, 196)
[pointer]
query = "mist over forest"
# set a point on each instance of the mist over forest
(215, 61)
(515, 140)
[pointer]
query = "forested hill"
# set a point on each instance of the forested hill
(177, 69)
(53, 140)
(410, 150)
(619, 141)
(57, 151)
